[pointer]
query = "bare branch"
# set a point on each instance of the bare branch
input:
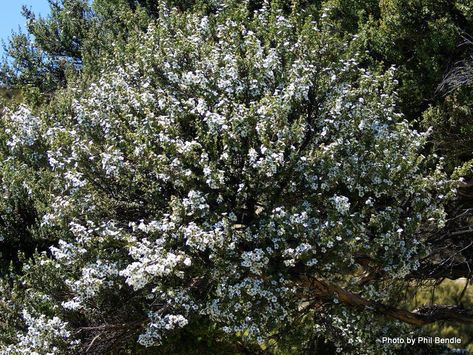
(421, 316)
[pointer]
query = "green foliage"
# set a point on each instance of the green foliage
(56, 49)
(174, 172)
(74, 38)
(421, 38)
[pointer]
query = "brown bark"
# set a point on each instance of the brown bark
(421, 316)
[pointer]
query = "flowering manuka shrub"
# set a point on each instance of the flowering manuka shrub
(233, 171)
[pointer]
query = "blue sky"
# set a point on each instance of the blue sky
(10, 15)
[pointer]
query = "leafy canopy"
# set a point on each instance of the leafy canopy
(234, 166)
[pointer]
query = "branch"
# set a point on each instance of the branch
(465, 184)
(453, 272)
(421, 316)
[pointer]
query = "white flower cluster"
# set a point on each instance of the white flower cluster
(194, 202)
(93, 278)
(254, 260)
(22, 126)
(342, 204)
(154, 262)
(168, 322)
(43, 335)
